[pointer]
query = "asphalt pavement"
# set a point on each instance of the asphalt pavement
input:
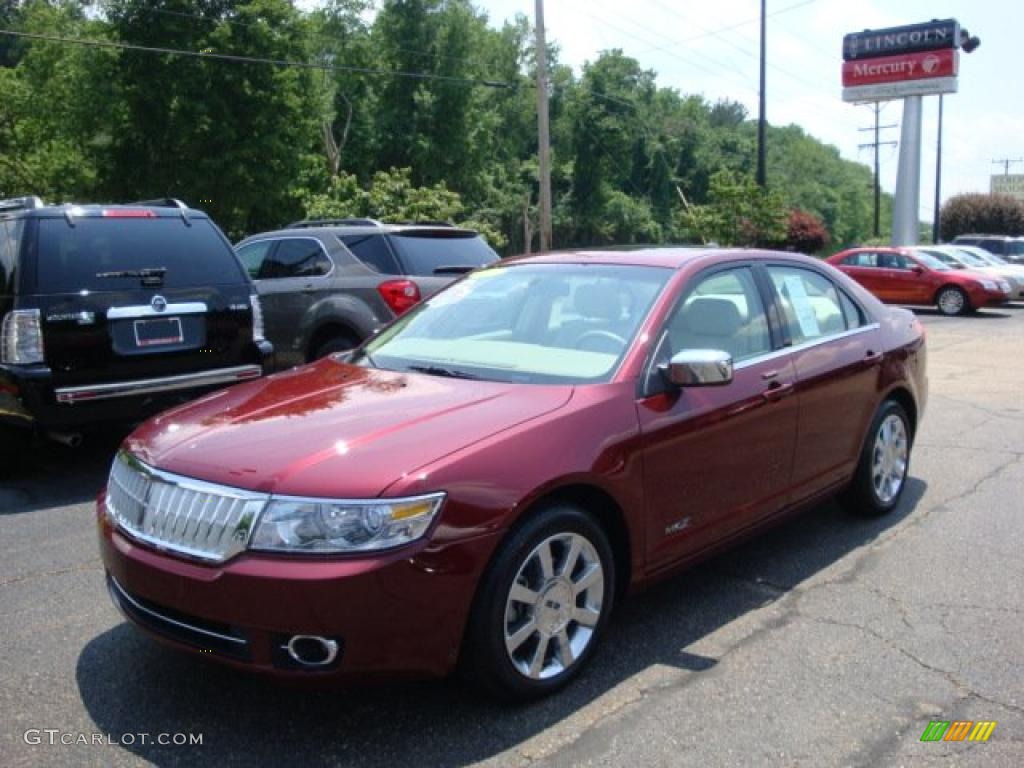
(827, 641)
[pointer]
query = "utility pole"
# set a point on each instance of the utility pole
(543, 132)
(761, 173)
(1005, 162)
(877, 106)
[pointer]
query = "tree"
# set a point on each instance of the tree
(983, 214)
(740, 213)
(805, 232)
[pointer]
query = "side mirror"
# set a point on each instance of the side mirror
(699, 368)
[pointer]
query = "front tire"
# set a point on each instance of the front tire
(542, 606)
(881, 473)
(952, 301)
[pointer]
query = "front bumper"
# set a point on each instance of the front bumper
(399, 614)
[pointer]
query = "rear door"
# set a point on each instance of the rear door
(131, 294)
(291, 277)
(837, 356)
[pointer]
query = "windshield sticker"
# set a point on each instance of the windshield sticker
(797, 293)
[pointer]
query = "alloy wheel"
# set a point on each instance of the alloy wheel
(951, 302)
(889, 458)
(554, 606)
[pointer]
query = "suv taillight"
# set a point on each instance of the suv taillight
(257, 318)
(21, 339)
(400, 295)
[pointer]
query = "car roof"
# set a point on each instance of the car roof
(670, 257)
(313, 229)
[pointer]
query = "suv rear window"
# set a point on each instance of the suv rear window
(71, 258)
(429, 253)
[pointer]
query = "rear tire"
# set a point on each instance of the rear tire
(952, 301)
(881, 473)
(541, 607)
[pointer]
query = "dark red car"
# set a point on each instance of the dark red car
(484, 479)
(902, 276)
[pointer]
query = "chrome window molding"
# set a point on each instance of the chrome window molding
(747, 362)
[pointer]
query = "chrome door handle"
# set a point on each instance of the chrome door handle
(776, 391)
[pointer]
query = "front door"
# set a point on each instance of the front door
(716, 459)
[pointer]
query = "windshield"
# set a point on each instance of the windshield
(930, 261)
(985, 256)
(430, 253)
(969, 259)
(530, 323)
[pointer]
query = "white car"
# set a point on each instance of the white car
(959, 257)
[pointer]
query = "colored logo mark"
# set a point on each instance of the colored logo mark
(958, 730)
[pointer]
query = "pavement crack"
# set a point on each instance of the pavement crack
(88, 565)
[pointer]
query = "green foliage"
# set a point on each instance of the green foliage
(739, 213)
(258, 146)
(391, 196)
(981, 214)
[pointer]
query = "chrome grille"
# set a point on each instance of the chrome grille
(202, 520)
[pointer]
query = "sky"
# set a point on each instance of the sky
(711, 48)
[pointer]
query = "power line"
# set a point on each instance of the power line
(259, 60)
(312, 35)
(1006, 162)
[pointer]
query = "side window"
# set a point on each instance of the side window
(723, 311)
(853, 314)
(810, 303)
(374, 252)
(296, 257)
(862, 259)
(995, 246)
(252, 256)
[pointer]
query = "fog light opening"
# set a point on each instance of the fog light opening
(312, 650)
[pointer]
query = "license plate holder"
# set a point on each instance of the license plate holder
(158, 332)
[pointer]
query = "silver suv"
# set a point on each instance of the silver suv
(1009, 248)
(326, 285)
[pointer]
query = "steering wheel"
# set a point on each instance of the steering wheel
(600, 335)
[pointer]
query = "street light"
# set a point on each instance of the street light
(968, 44)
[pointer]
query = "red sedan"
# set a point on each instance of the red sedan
(483, 480)
(902, 276)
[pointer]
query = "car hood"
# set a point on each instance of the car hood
(332, 429)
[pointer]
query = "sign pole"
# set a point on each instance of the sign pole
(905, 225)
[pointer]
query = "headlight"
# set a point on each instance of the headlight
(1004, 286)
(988, 285)
(326, 525)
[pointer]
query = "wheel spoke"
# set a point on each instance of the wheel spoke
(571, 558)
(537, 664)
(565, 654)
(586, 616)
(523, 594)
(547, 566)
(520, 636)
(587, 579)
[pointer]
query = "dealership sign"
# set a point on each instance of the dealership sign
(913, 60)
(907, 66)
(930, 36)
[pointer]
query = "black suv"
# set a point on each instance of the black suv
(1009, 248)
(326, 285)
(112, 312)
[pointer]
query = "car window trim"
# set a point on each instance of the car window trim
(806, 345)
(276, 240)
